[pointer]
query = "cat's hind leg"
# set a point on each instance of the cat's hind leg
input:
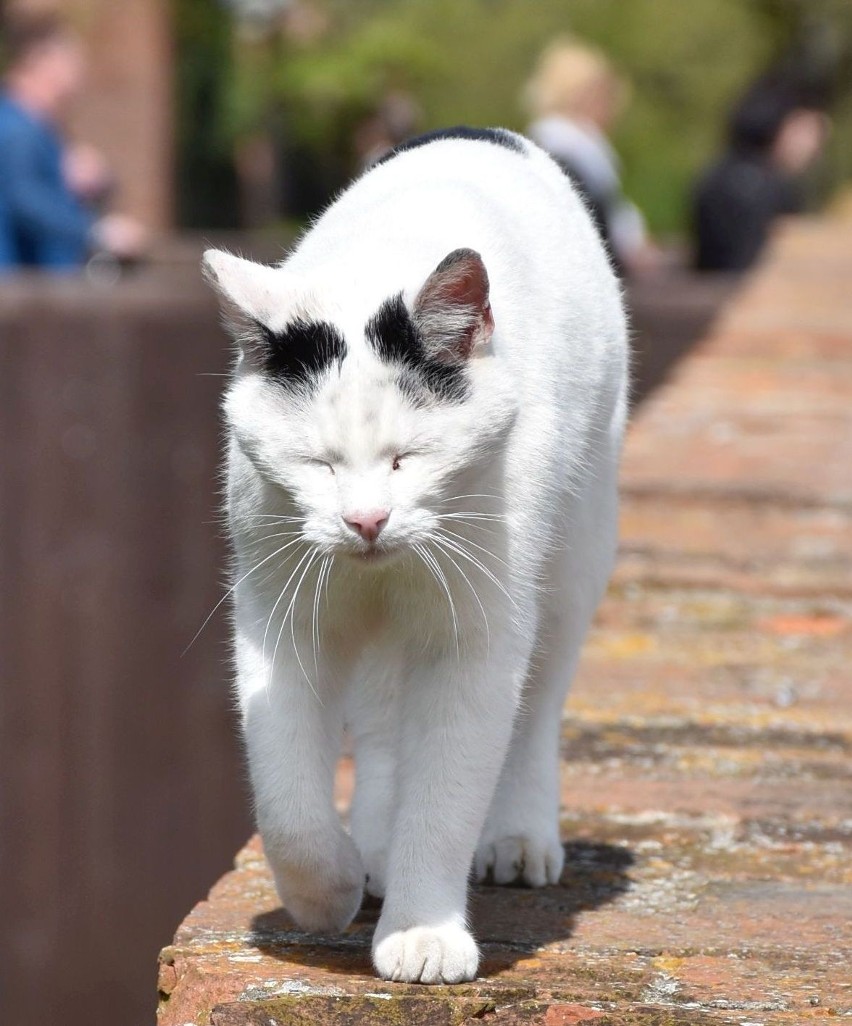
(520, 841)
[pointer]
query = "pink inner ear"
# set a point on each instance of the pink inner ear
(452, 309)
(459, 280)
(463, 284)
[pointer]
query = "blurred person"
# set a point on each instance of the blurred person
(775, 133)
(575, 96)
(49, 190)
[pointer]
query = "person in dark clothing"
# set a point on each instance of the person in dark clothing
(774, 134)
(46, 217)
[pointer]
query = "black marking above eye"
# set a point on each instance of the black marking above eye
(395, 339)
(300, 353)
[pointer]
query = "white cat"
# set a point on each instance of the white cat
(425, 422)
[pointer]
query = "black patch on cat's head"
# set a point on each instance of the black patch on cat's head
(298, 354)
(495, 136)
(396, 340)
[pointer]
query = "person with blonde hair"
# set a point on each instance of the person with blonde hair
(574, 97)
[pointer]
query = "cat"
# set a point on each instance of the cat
(425, 420)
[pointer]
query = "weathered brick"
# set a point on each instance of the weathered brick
(707, 799)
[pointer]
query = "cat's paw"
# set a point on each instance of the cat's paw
(426, 954)
(525, 859)
(323, 896)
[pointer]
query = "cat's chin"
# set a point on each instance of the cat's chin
(374, 556)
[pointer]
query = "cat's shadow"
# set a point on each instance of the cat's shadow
(510, 923)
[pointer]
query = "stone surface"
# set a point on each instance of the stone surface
(707, 782)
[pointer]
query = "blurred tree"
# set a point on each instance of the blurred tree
(206, 180)
(467, 61)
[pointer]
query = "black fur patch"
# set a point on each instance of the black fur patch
(300, 353)
(495, 136)
(395, 338)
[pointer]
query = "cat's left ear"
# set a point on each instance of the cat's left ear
(452, 311)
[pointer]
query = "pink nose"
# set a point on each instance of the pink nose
(368, 525)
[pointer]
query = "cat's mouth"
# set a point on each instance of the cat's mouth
(373, 554)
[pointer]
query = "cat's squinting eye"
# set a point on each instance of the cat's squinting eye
(395, 463)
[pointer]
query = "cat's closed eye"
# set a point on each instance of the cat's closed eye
(327, 463)
(399, 458)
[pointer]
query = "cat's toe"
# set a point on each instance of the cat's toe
(520, 859)
(426, 954)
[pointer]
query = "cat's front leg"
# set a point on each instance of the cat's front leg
(292, 732)
(457, 716)
(373, 717)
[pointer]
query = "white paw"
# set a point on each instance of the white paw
(531, 860)
(426, 954)
(322, 896)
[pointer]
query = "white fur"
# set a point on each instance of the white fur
(449, 658)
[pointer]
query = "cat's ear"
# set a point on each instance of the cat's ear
(452, 311)
(250, 294)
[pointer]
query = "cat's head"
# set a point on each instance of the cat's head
(369, 427)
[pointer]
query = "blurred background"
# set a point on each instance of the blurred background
(133, 133)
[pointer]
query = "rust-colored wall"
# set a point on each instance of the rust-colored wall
(122, 791)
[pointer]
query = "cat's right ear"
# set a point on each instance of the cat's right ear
(250, 294)
(452, 310)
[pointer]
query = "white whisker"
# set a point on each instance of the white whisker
(315, 614)
(277, 602)
(473, 515)
(306, 555)
(230, 591)
(444, 543)
(481, 548)
(327, 579)
(467, 581)
(472, 495)
(291, 612)
(477, 527)
(260, 539)
(275, 517)
(435, 569)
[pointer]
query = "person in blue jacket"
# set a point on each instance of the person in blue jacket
(47, 219)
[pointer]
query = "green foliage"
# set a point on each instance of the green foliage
(328, 89)
(206, 187)
(465, 61)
